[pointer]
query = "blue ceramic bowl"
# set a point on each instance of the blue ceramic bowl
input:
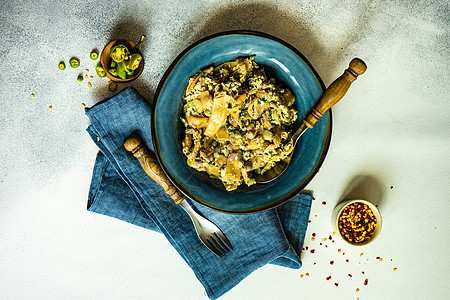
(282, 62)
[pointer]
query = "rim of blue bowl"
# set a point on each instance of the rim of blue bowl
(155, 141)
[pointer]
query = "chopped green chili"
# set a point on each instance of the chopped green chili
(74, 62)
(100, 71)
(113, 71)
(94, 54)
(119, 53)
(112, 86)
(121, 70)
(80, 78)
(134, 61)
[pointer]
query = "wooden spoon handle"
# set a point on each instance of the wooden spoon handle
(336, 91)
(151, 167)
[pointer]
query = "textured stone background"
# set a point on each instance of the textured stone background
(392, 129)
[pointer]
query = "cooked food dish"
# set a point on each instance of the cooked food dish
(236, 122)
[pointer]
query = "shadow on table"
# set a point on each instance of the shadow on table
(365, 187)
(279, 22)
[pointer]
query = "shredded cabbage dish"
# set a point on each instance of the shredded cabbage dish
(236, 122)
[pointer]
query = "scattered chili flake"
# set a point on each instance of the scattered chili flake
(395, 269)
(380, 259)
(306, 274)
(315, 216)
(89, 84)
(377, 257)
(309, 221)
(361, 254)
(339, 250)
(313, 234)
(83, 105)
(330, 238)
(334, 233)
(366, 281)
(320, 244)
(32, 95)
(86, 76)
(324, 239)
(301, 275)
(332, 262)
(306, 248)
(336, 284)
(324, 202)
(357, 290)
(350, 275)
(312, 239)
(392, 187)
(328, 278)
(312, 251)
(347, 260)
(362, 272)
(314, 198)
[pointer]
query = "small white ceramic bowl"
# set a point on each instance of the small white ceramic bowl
(340, 207)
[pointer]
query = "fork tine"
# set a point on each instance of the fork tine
(213, 248)
(221, 243)
(223, 238)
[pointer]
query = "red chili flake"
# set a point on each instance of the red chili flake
(350, 275)
(320, 244)
(326, 246)
(328, 278)
(306, 248)
(339, 250)
(314, 263)
(362, 272)
(306, 274)
(330, 237)
(309, 221)
(347, 260)
(336, 284)
(366, 281)
(312, 251)
(324, 202)
(377, 257)
(314, 234)
(314, 198)
(315, 216)
(392, 187)
(332, 262)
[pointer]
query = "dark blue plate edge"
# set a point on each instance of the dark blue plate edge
(161, 84)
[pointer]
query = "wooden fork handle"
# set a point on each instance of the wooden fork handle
(150, 165)
(336, 91)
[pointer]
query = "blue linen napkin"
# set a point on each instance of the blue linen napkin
(121, 189)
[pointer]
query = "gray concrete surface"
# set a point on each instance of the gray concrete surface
(392, 127)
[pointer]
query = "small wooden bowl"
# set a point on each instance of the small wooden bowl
(105, 60)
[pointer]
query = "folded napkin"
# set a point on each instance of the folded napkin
(121, 189)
